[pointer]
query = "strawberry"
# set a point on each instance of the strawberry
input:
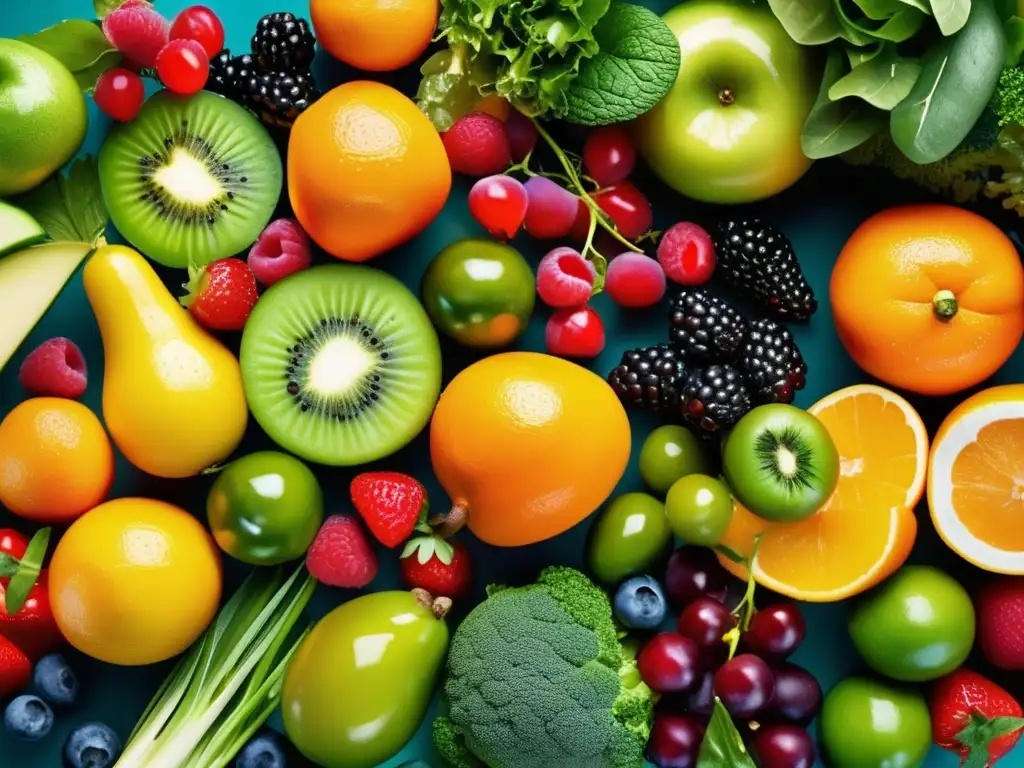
(1000, 610)
(15, 668)
(221, 295)
(32, 628)
(341, 556)
(440, 567)
(393, 505)
(974, 717)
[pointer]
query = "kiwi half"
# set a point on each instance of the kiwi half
(190, 180)
(341, 364)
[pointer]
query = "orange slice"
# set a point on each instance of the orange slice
(976, 479)
(867, 528)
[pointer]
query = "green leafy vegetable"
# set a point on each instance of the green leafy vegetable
(723, 746)
(958, 77)
(636, 65)
(950, 15)
(808, 22)
(80, 46)
(835, 127)
(883, 81)
(70, 208)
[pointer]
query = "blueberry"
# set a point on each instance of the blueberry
(640, 603)
(28, 718)
(55, 681)
(267, 749)
(93, 745)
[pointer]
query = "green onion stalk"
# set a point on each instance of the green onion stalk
(229, 682)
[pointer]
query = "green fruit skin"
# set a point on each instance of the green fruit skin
(716, 153)
(43, 114)
(756, 488)
(669, 453)
(629, 536)
(869, 724)
(480, 293)
(699, 509)
(265, 508)
(360, 683)
(917, 626)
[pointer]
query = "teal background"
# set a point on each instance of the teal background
(818, 214)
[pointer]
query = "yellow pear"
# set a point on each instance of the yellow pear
(172, 394)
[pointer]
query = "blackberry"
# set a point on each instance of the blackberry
(229, 75)
(703, 328)
(758, 262)
(279, 97)
(646, 378)
(283, 43)
(713, 399)
(772, 363)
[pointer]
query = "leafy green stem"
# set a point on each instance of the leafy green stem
(744, 612)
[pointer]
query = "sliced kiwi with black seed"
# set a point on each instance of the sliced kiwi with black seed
(190, 180)
(780, 463)
(341, 364)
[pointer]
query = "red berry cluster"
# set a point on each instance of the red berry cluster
(697, 663)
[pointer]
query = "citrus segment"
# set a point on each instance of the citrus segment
(976, 481)
(867, 528)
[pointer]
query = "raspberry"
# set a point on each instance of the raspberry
(687, 254)
(477, 145)
(565, 279)
(575, 333)
(282, 250)
(341, 555)
(56, 368)
(138, 31)
(635, 280)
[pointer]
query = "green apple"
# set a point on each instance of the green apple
(729, 130)
(42, 114)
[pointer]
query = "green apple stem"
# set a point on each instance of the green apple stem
(577, 185)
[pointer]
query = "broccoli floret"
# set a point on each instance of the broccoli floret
(537, 678)
(1008, 101)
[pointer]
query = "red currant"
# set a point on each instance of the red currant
(687, 254)
(627, 207)
(499, 204)
(609, 155)
(575, 333)
(201, 24)
(120, 94)
(183, 66)
(635, 280)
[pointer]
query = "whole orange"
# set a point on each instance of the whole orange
(527, 445)
(366, 170)
(56, 461)
(929, 298)
(374, 35)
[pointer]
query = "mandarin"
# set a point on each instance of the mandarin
(929, 298)
(375, 35)
(366, 170)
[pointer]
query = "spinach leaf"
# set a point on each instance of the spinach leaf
(833, 127)
(808, 22)
(902, 26)
(958, 77)
(951, 15)
(858, 56)
(883, 81)
(880, 10)
(1013, 28)
(637, 65)
(723, 746)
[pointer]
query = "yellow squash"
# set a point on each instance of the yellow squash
(172, 394)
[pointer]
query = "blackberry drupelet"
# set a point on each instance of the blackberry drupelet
(772, 363)
(758, 262)
(646, 379)
(229, 75)
(704, 329)
(280, 97)
(713, 399)
(283, 43)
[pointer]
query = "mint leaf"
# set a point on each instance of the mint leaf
(723, 746)
(636, 66)
(70, 208)
(21, 583)
(75, 43)
(87, 77)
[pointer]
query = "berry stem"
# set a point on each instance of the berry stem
(945, 305)
(574, 180)
(745, 611)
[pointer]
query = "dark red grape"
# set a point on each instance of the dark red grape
(797, 695)
(669, 663)
(701, 700)
(693, 572)
(609, 155)
(776, 631)
(705, 621)
(675, 741)
(627, 207)
(783, 746)
(744, 684)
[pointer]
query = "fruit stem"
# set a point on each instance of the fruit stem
(574, 179)
(448, 525)
(439, 606)
(744, 612)
(726, 97)
(945, 305)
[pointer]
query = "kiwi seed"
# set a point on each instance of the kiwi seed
(785, 456)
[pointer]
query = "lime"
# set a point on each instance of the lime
(43, 114)
(919, 625)
(699, 509)
(868, 724)
(669, 453)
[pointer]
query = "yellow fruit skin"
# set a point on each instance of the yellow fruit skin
(172, 394)
(134, 581)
